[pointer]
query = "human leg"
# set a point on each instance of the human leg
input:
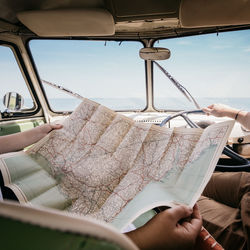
(225, 208)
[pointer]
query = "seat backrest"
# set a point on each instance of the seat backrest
(27, 228)
(29, 180)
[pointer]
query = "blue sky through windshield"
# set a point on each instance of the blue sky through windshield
(208, 66)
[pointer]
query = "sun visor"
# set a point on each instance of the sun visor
(205, 13)
(74, 22)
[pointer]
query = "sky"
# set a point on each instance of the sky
(211, 65)
(215, 65)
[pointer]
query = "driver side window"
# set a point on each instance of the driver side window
(12, 79)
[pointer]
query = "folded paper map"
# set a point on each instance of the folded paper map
(107, 166)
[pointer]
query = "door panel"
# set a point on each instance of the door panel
(19, 126)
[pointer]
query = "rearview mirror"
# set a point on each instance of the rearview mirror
(154, 53)
(13, 101)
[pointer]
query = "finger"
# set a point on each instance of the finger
(56, 126)
(211, 106)
(193, 227)
(196, 213)
(207, 110)
(196, 217)
(196, 222)
(179, 212)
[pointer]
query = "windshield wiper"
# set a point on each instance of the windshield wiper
(180, 87)
(63, 89)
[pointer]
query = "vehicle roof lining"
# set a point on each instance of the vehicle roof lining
(97, 22)
(138, 19)
(203, 13)
(9, 9)
(120, 9)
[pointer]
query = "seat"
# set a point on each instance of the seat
(27, 228)
(29, 180)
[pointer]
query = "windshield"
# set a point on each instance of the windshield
(108, 72)
(214, 68)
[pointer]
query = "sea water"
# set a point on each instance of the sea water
(69, 104)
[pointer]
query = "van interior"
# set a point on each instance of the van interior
(154, 61)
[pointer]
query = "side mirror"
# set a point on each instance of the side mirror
(13, 101)
(154, 53)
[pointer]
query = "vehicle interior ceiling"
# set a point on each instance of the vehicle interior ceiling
(131, 20)
(144, 20)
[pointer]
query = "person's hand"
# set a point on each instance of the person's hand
(220, 110)
(174, 228)
(46, 128)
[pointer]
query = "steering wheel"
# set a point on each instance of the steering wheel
(242, 164)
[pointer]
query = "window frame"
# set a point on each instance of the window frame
(26, 80)
(27, 46)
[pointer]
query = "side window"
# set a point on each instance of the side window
(11, 79)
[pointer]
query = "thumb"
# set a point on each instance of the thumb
(56, 126)
(179, 212)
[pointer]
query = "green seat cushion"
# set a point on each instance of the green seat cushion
(16, 235)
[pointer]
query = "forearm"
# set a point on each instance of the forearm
(230, 112)
(34, 135)
(221, 110)
(21, 140)
(241, 116)
(244, 119)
